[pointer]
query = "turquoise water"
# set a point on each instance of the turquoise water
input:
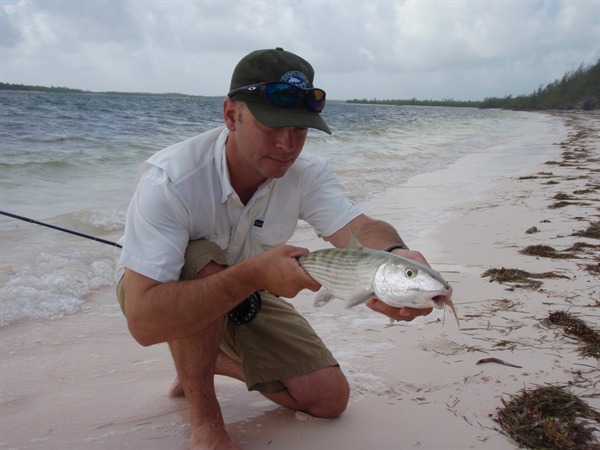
(71, 160)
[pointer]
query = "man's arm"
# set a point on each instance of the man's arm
(372, 233)
(158, 312)
(380, 235)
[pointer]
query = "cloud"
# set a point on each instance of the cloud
(360, 49)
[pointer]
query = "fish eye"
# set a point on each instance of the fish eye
(410, 272)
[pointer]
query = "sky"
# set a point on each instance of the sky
(438, 49)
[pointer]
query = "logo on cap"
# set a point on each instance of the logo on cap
(296, 78)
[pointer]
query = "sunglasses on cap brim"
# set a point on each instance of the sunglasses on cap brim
(284, 94)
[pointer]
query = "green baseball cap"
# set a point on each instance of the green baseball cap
(272, 65)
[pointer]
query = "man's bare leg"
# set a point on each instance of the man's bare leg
(195, 360)
(323, 393)
(176, 389)
(225, 366)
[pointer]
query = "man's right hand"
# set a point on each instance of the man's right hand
(281, 274)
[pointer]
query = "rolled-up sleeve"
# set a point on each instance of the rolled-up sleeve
(325, 205)
(156, 231)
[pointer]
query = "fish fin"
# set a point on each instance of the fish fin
(322, 298)
(354, 242)
(358, 298)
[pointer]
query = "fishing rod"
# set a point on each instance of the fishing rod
(64, 230)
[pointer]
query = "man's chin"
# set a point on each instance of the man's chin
(279, 169)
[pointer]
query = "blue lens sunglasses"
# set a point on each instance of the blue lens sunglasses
(285, 94)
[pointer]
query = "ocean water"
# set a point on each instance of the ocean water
(70, 160)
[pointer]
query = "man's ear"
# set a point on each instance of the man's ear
(230, 113)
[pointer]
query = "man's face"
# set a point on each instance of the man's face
(264, 152)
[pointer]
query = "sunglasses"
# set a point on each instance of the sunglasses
(285, 94)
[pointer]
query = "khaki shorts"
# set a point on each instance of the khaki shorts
(278, 344)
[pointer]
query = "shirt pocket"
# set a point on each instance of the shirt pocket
(269, 236)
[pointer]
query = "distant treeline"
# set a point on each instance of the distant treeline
(415, 102)
(23, 87)
(578, 89)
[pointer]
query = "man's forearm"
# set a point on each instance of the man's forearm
(376, 234)
(159, 312)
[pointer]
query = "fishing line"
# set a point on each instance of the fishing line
(64, 230)
(60, 255)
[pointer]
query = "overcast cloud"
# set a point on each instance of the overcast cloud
(359, 49)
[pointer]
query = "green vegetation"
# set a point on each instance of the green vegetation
(23, 87)
(578, 89)
(415, 102)
(63, 90)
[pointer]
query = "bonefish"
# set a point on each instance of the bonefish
(358, 274)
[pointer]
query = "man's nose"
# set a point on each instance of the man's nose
(286, 139)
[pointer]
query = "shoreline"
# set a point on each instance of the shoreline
(82, 382)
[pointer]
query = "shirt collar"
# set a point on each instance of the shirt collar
(223, 171)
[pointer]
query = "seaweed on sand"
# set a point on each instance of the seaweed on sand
(518, 277)
(583, 191)
(560, 204)
(593, 269)
(581, 247)
(538, 175)
(545, 251)
(588, 337)
(562, 196)
(593, 231)
(506, 275)
(549, 417)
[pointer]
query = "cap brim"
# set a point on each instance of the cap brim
(274, 116)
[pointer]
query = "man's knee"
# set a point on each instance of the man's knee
(335, 402)
(323, 393)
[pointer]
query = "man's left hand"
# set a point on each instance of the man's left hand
(406, 314)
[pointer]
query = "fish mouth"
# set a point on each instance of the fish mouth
(442, 299)
(439, 299)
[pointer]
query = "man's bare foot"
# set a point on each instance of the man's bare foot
(212, 437)
(176, 389)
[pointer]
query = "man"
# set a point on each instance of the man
(204, 257)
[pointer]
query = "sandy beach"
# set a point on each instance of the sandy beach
(81, 382)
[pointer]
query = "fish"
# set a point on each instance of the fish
(357, 274)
